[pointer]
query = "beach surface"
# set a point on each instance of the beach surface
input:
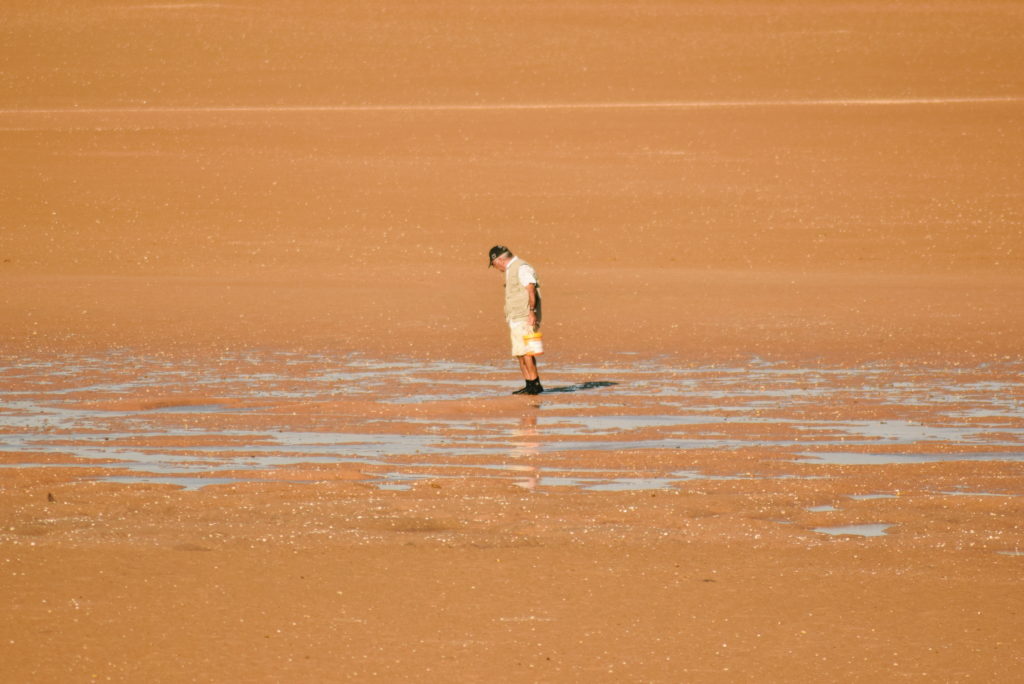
(255, 409)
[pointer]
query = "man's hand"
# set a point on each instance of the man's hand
(531, 292)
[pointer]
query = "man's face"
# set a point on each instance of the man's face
(501, 262)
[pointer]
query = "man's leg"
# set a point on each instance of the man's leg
(528, 365)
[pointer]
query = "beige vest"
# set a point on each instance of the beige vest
(517, 299)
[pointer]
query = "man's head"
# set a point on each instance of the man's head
(499, 256)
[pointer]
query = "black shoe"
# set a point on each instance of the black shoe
(533, 387)
(523, 390)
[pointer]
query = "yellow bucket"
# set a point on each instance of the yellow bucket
(534, 344)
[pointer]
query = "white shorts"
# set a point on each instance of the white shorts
(517, 330)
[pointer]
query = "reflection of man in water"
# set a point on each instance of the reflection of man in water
(522, 310)
(526, 446)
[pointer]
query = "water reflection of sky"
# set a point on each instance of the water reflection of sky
(635, 407)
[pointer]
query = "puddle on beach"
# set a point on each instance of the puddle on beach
(871, 530)
(855, 458)
(158, 420)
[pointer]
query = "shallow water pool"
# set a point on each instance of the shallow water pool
(626, 426)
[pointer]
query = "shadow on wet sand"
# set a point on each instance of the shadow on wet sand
(579, 387)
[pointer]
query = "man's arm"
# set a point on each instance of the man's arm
(531, 290)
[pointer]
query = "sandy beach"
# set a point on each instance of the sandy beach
(256, 420)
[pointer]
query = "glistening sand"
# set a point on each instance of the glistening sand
(255, 412)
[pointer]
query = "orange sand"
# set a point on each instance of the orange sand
(827, 183)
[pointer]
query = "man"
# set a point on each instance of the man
(522, 310)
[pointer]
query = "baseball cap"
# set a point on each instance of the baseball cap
(496, 252)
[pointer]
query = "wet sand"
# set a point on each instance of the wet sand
(255, 417)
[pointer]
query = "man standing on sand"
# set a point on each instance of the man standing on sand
(522, 310)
